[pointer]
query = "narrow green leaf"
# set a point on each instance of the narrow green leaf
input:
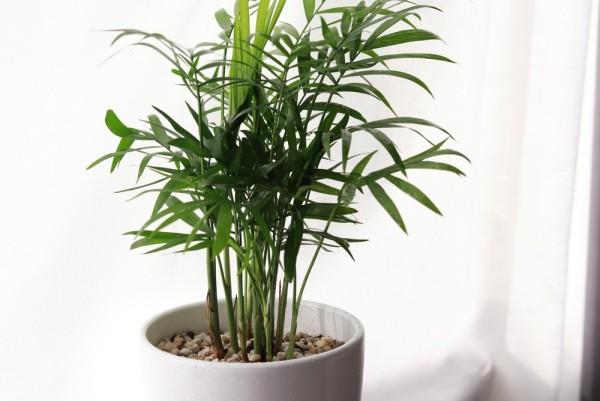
(115, 125)
(387, 203)
(413, 192)
(159, 131)
(429, 165)
(346, 144)
(223, 227)
(176, 126)
(292, 246)
(143, 165)
(317, 209)
(388, 144)
(174, 184)
(124, 145)
(328, 34)
(398, 74)
(361, 165)
(346, 22)
(187, 216)
(338, 108)
(224, 20)
(395, 121)
(400, 37)
(347, 194)
(326, 139)
(309, 9)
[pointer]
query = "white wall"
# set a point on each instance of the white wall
(73, 297)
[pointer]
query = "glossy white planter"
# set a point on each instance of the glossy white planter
(332, 376)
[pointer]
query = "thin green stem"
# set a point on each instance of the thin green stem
(227, 287)
(213, 305)
(281, 311)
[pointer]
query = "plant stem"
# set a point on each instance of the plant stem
(281, 314)
(213, 305)
(298, 297)
(257, 322)
(229, 300)
(241, 308)
(294, 324)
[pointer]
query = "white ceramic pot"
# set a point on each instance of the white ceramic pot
(332, 376)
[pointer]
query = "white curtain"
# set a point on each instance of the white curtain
(496, 282)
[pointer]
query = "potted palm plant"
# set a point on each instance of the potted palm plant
(262, 168)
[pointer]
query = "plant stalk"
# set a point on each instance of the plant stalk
(229, 300)
(213, 305)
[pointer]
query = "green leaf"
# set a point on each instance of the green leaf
(328, 34)
(124, 145)
(224, 20)
(400, 37)
(387, 203)
(347, 194)
(398, 74)
(304, 61)
(361, 165)
(178, 128)
(346, 144)
(319, 187)
(292, 246)
(343, 243)
(338, 108)
(309, 9)
(413, 192)
(396, 121)
(388, 144)
(174, 184)
(325, 210)
(346, 22)
(112, 155)
(366, 89)
(326, 139)
(159, 131)
(187, 216)
(115, 125)
(223, 227)
(429, 165)
(143, 165)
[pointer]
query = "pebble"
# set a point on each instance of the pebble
(185, 352)
(198, 346)
(301, 346)
(169, 346)
(325, 342)
(204, 353)
(178, 341)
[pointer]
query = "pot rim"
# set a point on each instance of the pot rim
(357, 338)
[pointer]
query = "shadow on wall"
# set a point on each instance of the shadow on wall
(463, 376)
(467, 375)
(511, 377)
